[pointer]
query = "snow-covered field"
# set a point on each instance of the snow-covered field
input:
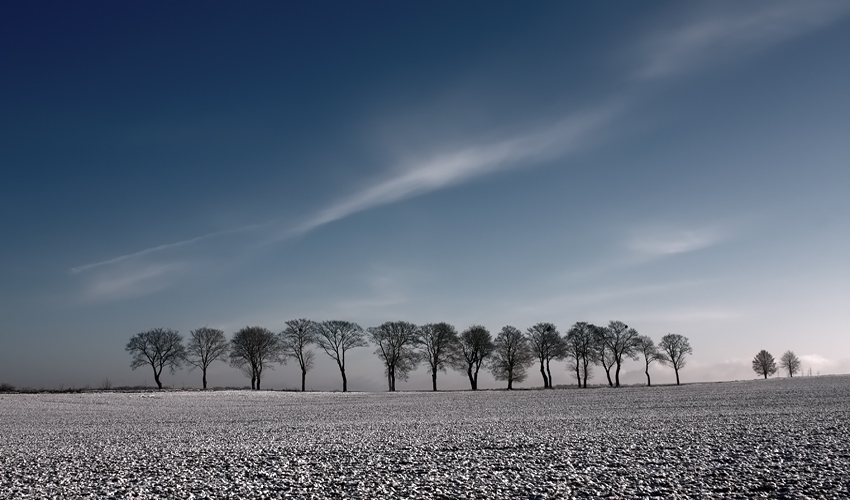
(777, 438)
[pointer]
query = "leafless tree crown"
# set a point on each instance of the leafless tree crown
(253, 349)
(335, 338)
(204, 346)
(439, 346)
(511, 356)
(764, 364)
(296, 339)
(397, 343)
(475, 345)
(158, 348)
(579, 344)
(790, 363)
(547, 345)
(675, 349)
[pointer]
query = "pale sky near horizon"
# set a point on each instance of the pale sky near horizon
(681, 167)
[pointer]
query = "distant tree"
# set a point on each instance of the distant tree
(337, 337)
(547, 345)
(475, 345)
(675, 349)
(158, 348)
(621, 343)
(764, 364)
(253, 349)
(579, 347)
(439, 345)
(646, 347)
(298, 335)
(204, 346)
(511, 356)
(790, 363)
(602, 354)
(397, 343)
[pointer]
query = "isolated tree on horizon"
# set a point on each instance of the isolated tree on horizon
(579, 346)
(676, 349)
(335, 338)
(475, 345)
(158, 347)
(790, 363)
(439, 345)
(511, 356)
(204, 346)
(397, 342)
(546, 344)
(253, 349)
(764, 364)
(298, 335)
(646, 346)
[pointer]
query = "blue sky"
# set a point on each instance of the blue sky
(680, 167)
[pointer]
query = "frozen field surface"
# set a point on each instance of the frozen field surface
(784, 438)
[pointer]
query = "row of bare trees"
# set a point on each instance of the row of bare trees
(765, 365)
(402, 346)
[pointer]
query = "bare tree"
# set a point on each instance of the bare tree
(204, 346)
(511, 356)
(621, 343)
(790, 363)
(337, 337)
(298, 335)
(601, 352)
(475, 345)
(439, 345)
(579, 346)
(676, 349)
(764, 364)
(158, 347)
(646, 346)
(546, 344)
(253, 349)
(397, 342)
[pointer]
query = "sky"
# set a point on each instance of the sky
(680, 167)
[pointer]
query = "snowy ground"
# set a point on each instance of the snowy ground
(775, 439)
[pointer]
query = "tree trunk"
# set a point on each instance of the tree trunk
(258, 381)
(549, 373)
(765, 377)
(471, 379)
(545, 378)
(434, 380)
(648, 382)
(584, 384)
(156, 378)
(677, 375)
(344, 380)
(608, 375)
(578, 374)
(617, 374)
(205, 378)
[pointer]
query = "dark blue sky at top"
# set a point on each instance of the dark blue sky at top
(720, 155)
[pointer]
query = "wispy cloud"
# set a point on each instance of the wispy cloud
(741, 29)
(659, 242)
(160, 248)
(132, 282)
(447, 169)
